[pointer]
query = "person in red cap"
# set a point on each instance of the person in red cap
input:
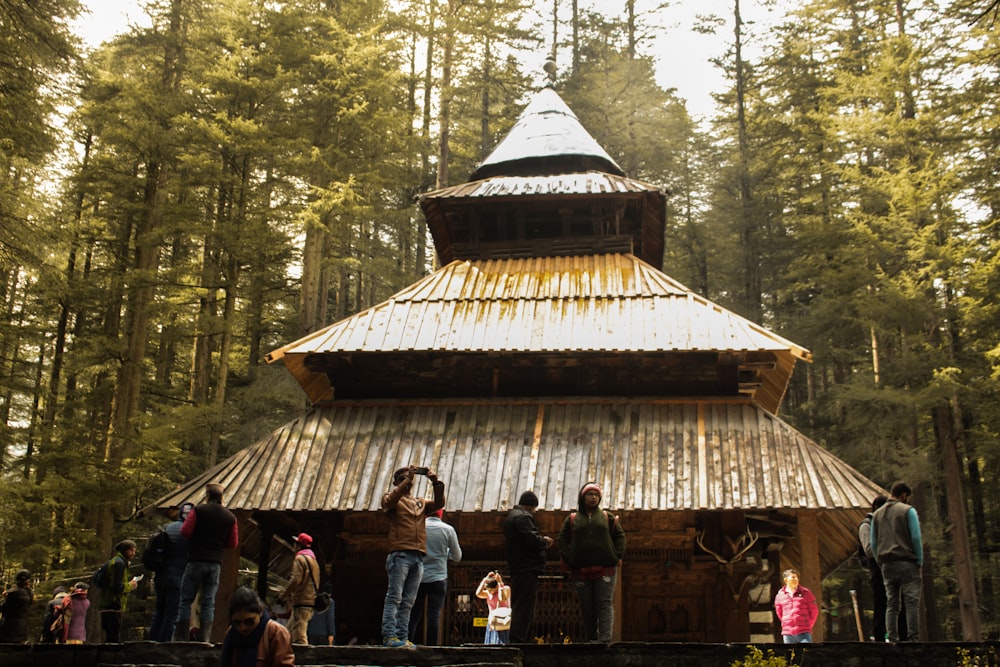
(592, 543)
(300, 593)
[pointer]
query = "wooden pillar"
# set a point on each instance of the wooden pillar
(228, 577)
(616, 604)
(811, 572)
(263, 559)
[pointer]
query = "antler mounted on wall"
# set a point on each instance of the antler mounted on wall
(738, 549)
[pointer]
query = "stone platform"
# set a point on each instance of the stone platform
(846, 654)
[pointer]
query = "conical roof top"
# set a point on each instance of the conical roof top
(547, 138)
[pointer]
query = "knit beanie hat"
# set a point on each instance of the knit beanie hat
(124, 546)
(528, 499)
(591, 487)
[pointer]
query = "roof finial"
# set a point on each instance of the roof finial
(550, 68)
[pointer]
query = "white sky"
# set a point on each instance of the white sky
(682, 55)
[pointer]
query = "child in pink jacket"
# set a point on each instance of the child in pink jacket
(796, 608)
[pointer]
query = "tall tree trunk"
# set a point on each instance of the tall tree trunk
(749, 233)
(444, 115)
(947, 428)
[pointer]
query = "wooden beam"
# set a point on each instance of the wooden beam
(810, 569)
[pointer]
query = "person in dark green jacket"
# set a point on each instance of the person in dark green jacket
(592, 544)
(114, 596)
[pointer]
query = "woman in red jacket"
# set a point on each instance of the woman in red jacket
(796, 608)
(253, 639)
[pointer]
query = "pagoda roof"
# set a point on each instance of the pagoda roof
(547, 138)
(648, 455)
(613, 303)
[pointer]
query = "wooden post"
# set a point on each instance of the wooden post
(812, 577)
(227, 584)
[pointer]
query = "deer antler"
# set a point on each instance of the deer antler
(738, 551)
(751, 539)
(699, 539)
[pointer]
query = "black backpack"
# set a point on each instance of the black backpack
(154, 556)
(101, 578)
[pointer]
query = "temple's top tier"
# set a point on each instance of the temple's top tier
(546, 139)
(548, 189)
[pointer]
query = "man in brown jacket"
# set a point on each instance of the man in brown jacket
(407, 548)
(300, 594)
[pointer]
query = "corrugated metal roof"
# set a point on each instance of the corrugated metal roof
(586, 303)
(647, 455)
(545, 133)
(591, 303)
(587, 183)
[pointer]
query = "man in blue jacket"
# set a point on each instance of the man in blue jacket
(898, 549)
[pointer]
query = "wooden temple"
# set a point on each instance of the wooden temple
(549, 350)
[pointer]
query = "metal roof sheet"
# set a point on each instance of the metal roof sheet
(654, 455)
(575, 304)
(546, 132)
(580, 303)
(586, 183)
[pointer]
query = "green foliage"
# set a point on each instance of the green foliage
(757, 658)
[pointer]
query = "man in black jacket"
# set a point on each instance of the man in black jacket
(210, 529)
(526, 559)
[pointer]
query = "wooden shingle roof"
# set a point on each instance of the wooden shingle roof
(613, 303)
(648, 455)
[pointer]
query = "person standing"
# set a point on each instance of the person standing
(209, 529)
(442, 546)
(796, 608)
(75, 606)
(407, 546)
(14, 609)
(874, 572)
(526, 559)
(52, 611)
(300, 593)
(592, 544)
(497, 595)
(898, 548)
(114, 596)
(167, 579)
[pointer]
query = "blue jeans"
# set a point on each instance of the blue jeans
(167, 585)
(197, 574)
(801, 638)
(405, 569)
(902, 581)
(596, 605)
(434, 593)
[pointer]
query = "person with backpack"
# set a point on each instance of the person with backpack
(115, 587)
(300, 593)
(592, 545)
(166, 555)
